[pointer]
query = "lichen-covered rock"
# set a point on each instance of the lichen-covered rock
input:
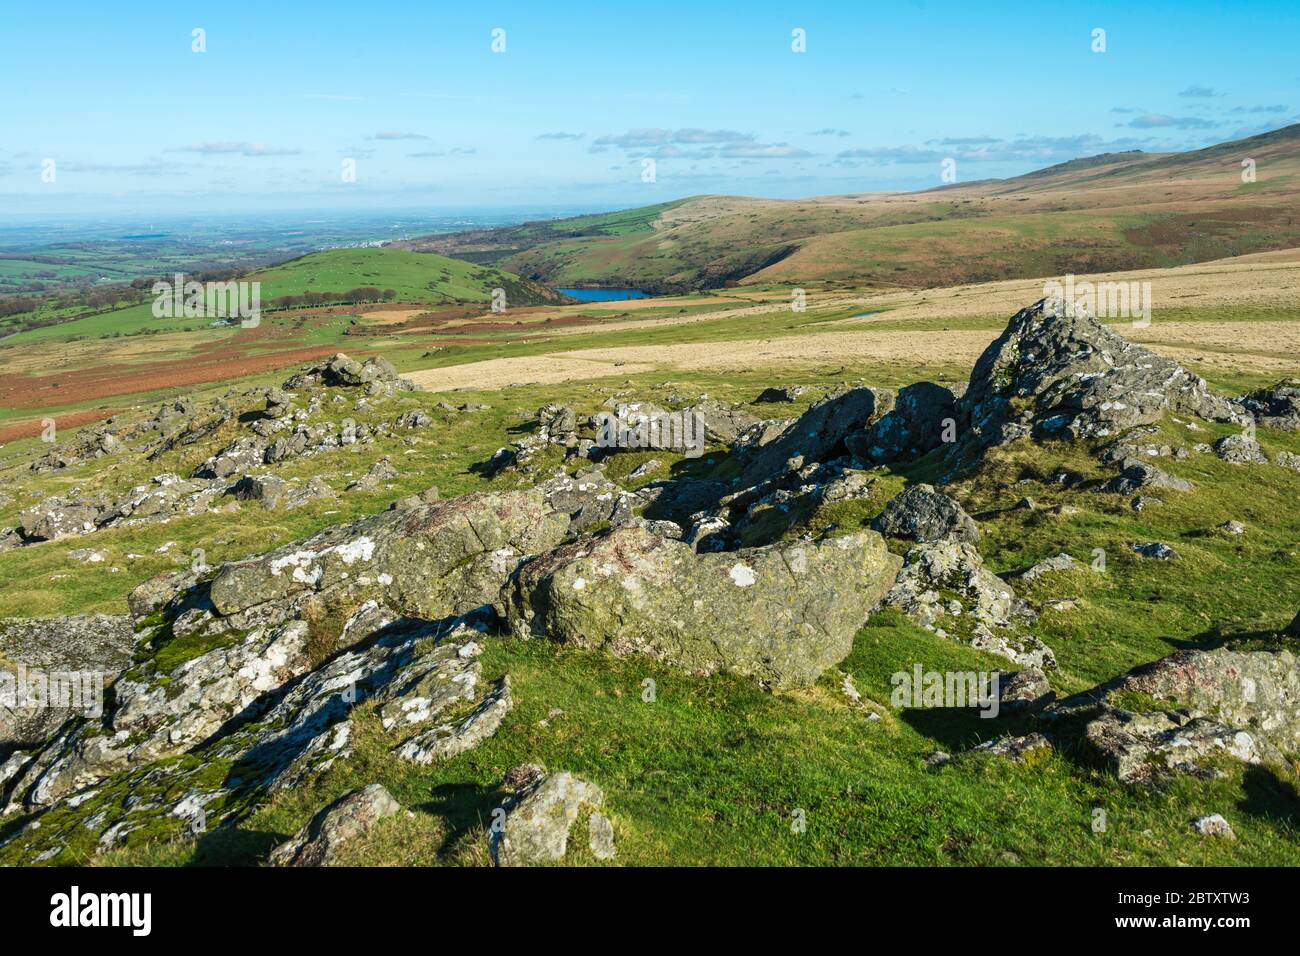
(169, 714)
(923, 415)
(1275, 407)
(52, 669)
(1255, 690)
(1286, 459)
(241, 456)
(448, 740)
(91, 442)
(816, 434)
(57, 517)
(1240, 703)
(538, 819)
(1137, 746)
(1015, 749)
(330, 830)
(273, 492)
(1214, 825)
(432, 561)
(781, 613)
(1240, 449)
(377, 474)
(1023, 690)
(722, 423)
(589, 499)
(1062, 562)
(1056, 372)
(1137, 474)
(343, 371)
(922, 514)
(946, 588)
(296, 730)
(154, 593)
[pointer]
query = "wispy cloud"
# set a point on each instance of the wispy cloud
(394, 134)
(1197, 92)
(963, 141)
(1163, 121)
(762, 151)
(214, 148)
(652, 136)
(454, 151)
(149, 168)
(1044, 150)
(561, 136)
(829, 131)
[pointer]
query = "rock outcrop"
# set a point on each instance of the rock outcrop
(927, 516)
(781, 614)
(54, 669)
(352, 815)
(539, 817)
(1056, 372)
(947, 589)
(1242, 704)
(432, 561)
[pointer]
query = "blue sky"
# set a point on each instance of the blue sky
(414, 95)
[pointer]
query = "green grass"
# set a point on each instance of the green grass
(414, 276)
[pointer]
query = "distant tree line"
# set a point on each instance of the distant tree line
(358, 296)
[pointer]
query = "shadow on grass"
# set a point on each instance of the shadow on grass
(960, 728)
(229, 846)
(1216, 637)
(462, 807)
(1269, 797)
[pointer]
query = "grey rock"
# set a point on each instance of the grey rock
(914, 426)
(67, 663)
(57, 518)
(938, 580)
(538, 821)
(1277, 406)
(1157, 550)
(722, 423)
(350, 816)
(448, 740)
(1139, 474)
(815, 434)
(1214, 825)
(1240, 449)
(1286, 459)
(1062, 562)
(922, 514)
(781, 614)
(1056, 372)
(1015, 749)
(430, 561)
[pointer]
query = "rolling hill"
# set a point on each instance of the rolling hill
(1110, 212)
(412, 276)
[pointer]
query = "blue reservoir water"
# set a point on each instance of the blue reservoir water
(604, 295)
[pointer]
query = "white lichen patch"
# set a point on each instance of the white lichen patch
(742, 575)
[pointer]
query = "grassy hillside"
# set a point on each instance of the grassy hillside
(1117, 211)
(714, 769)
(423, 278)
(413, 276)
